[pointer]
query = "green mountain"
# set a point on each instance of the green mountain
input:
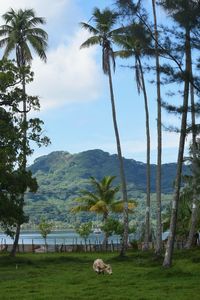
(61, 175)
(65, 173)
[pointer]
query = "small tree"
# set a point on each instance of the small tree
(113, 226)
(84, 230)
(45, 228)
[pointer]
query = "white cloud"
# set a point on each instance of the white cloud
(47, 8)
(70, 75)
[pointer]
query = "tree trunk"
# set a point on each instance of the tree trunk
(105, 240)
(194, 167)
(24, 156)
(16, 241)
(121, 167)
(148, 188)
(172, 231)
(159, 139)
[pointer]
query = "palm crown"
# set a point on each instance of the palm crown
(102, 34)
(102, 198)
(19, 32)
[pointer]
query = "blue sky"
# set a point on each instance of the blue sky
(74, 95)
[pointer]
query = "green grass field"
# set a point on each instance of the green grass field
(70, 276)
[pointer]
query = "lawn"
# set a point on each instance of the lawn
(70, 276)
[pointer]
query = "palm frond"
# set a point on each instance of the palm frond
(123, 53)
(4, 42)
(118, 206)
(37, 32)
(79, 208)
(39, 45)
(89, 28)
(36, 21)
(94, 40)
(99, 207)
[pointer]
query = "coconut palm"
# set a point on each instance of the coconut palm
(135, 42)
(101, 199)
(159, 137)
(18, 34)
(103, 35)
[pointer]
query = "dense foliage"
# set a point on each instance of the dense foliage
(61, 176)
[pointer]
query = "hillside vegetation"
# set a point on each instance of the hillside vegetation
(61, 175)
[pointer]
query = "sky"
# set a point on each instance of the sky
(74, 92)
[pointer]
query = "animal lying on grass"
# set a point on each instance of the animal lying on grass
(100, 267)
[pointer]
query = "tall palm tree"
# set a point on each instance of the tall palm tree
(159, 137)
(103, 35)
(19, 33)
(135, 42)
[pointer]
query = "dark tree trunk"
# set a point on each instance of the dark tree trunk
(24, 153)
(148, 200)
(193, 221)
(172, 231)
(16, 241)
(159, 139)
(121, 167)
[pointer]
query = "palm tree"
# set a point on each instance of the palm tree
(159, 138)
(18, 34)
(102, 199)
(135, 42)
(186, 14)
(19, 31)
(103, 35)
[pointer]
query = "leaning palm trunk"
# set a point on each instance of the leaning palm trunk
(121, 166)
(172, 231)
(159, 140)
(148, 200)
(194, 167)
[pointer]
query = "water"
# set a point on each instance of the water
(64, 237)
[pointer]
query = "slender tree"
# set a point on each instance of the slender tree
(19, 33)
(186, 14)
(159, 137)
(102, 35)
(135, 42)
(195, 166)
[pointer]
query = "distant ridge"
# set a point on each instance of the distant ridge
(64, 174)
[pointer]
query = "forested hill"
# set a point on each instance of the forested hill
(61, 174)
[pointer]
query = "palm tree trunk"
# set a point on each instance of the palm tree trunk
(194, 167)
(105, 240)
(159, 139)
(121, 167)
(148, 170)
(172, 231)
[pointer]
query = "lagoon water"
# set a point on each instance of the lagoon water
(64, 237)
